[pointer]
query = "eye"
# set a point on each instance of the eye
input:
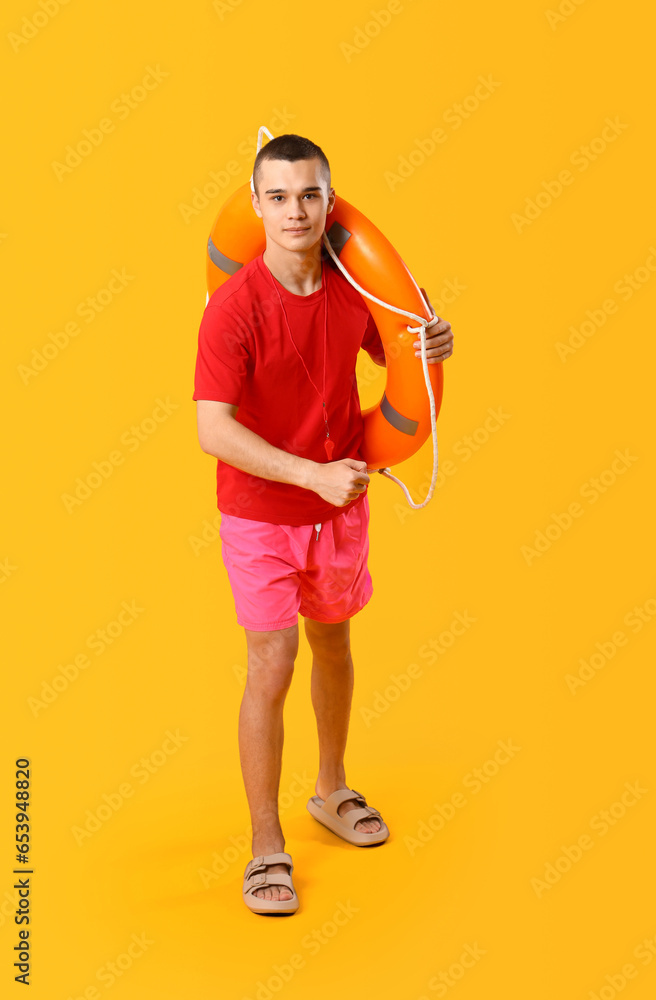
(310, 195)
(276, 196)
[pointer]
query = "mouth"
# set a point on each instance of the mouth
(305, 229)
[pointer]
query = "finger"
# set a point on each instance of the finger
(438, 348)
(441, 326)
(436, 353)
(443, 338)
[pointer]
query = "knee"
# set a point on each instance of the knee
(271, 680)
(271, 663)
(329, 643)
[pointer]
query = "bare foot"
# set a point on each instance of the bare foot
(273, 891)
(365, 825)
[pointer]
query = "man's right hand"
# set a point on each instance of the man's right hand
(338, 482)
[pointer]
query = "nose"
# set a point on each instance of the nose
(296, 208)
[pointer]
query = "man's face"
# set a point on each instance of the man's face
(293, 202)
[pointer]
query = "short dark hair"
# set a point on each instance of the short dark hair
(290, 147)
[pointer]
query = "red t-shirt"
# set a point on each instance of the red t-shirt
(245, 357)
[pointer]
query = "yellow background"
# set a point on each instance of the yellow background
(178, 666)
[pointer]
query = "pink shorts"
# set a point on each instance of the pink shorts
(277, 571)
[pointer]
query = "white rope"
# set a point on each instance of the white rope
(424, 324)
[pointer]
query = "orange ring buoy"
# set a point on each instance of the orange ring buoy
(399, 424)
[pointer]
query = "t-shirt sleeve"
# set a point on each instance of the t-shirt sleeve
(371, 342)
(224, 353)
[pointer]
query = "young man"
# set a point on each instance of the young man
(278, 406)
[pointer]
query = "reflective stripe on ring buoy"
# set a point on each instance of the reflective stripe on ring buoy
(399, 424)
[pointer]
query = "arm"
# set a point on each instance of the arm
(219, 434)
(372, 344)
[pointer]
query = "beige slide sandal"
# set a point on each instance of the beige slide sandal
(344, 826)
(256, 877)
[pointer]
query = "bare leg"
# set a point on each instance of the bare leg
(271, 657)
(332, 692)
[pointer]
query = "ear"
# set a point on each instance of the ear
(331, 201)
(255, 202)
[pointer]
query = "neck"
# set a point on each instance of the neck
(299, 271)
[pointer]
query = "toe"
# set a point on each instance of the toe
(368, 825)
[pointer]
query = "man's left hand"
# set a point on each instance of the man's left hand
(439, 343)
